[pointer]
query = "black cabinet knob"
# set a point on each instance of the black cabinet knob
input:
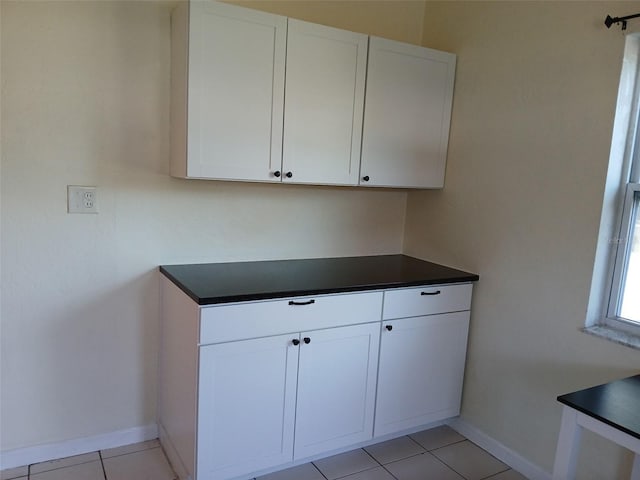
(276, 173)
(365, 178)
(389, 327)
(295, 341)
(307, 340)
(289, 174)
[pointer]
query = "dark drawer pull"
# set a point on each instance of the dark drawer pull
(308, 302)
(437, 292)
(295, 341)
(306, 340)
(389, 327)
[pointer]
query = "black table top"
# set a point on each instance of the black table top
(213, 283)
(615, 403)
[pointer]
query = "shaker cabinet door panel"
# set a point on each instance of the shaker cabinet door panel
(236, 87)
(407, 115)
(421, 370)
(324, 98)
(246, 406)
(336, 388)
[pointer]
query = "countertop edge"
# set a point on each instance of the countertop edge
(465, 277)
(327, 291)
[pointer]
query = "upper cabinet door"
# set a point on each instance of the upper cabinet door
(407, 115)
(324, 98)
(236, 62)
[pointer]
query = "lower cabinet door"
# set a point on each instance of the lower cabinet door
(246, 406)
(336, 388)
(421, 370)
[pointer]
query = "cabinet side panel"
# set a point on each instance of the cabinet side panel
(178, 373)
(446, 111)
(179, 72)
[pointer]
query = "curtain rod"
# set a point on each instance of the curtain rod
(610, 21)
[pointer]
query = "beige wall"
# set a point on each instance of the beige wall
(399, 20)
(534, 100)
(85, 100)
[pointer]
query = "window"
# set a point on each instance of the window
(624, 302)
(614, 305)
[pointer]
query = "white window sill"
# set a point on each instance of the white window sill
(617, 336)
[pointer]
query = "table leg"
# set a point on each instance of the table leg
(564, 467)
(635, 470)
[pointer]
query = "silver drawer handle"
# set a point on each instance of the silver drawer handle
(437, 292)
(309, 302)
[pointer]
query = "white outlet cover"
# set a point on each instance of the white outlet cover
(82, 199)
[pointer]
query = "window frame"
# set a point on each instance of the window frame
(623, 179)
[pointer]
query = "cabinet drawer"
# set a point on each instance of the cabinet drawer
(238, 321)
(427, 300)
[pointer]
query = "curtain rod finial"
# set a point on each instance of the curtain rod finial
(608, 21)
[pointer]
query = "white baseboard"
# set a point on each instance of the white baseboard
(67, 448)
(498, 450)
(51, 451)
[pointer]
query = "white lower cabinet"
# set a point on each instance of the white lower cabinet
(246, 406)
(336, 388)
(421, 370)
(251, 387)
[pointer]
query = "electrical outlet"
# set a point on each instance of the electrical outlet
(82, 199)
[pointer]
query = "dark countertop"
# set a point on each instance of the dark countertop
(212, 283)
(615, 403)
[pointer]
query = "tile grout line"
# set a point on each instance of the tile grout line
(320, 471)
(374, 458)
(383, 465)
(406, 458)
(104, 471)
(392, 475)
(465, 439)
(417, 443)
(497, 473)
(354, 473)
(483, 478)
(447, 465)
(59, 468)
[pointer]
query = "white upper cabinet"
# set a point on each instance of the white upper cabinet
(261, 98)
(324, 97)
(407, 115)
(227, 92)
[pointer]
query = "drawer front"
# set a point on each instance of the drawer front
(239, 321)
(427, 300)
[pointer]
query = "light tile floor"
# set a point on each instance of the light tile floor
(436, 454)
(141, 461)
